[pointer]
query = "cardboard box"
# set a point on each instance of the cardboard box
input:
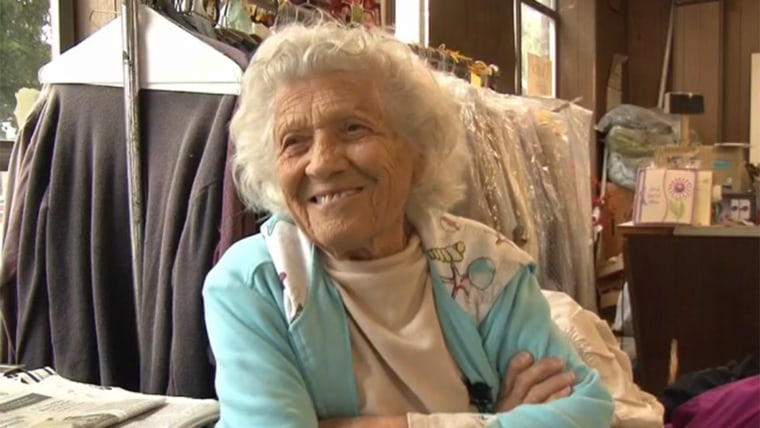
(729, 166)
(617, 209)
(727, 161)
(610, 278)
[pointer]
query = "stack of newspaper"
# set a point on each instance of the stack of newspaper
(58, 402)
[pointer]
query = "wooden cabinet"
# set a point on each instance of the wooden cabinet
(700, 286)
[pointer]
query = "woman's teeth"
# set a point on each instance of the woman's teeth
(331, 197)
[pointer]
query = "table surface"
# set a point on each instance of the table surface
(714, 231)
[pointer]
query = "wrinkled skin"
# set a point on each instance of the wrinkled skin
(346, 175)
(345, 172)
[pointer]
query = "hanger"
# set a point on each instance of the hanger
(171, 59)
(480, 73)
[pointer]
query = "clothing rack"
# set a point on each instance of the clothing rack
(439, 58)
(112, 242)
(130, 24)
(443, 59)
(479, 73)
(131, 69)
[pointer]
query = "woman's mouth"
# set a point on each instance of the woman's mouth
(326, 198)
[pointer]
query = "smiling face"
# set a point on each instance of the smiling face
(345, 172)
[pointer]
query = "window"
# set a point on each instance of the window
(26, 38)
(537, 44)
(25, 45)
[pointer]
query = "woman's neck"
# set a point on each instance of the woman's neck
(384, 244)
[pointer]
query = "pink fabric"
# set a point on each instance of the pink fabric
(734, 405)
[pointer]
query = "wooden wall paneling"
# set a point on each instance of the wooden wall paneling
(482, 29)
(91, 15)
(683, 16)
(712, 20)
(750, 43)
(742, 38)
(64, 12)
(647, 35)
(732, 122)
(754, 111)
(611, 39)
(697, 66)
(568, 51)
(575, 54)
(609, 21)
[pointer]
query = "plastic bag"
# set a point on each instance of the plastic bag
(633, 136)
(637, 143)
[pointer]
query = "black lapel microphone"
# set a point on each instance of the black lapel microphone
(480, 395)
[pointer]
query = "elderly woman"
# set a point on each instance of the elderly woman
(361, 302)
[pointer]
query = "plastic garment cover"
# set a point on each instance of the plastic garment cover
(236, 16)
(529, 178)
(555, 137)
(491, 180)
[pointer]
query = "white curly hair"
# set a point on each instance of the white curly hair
(417, 106)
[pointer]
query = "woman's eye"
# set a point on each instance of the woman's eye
(353, 127)
(291, 141)
(294, 145)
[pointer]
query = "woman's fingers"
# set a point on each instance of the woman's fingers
(518, 364)
(536, 374)
(566, 391)
(529, 382)
(557, 386)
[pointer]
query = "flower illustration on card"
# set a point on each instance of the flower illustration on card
(678, 189)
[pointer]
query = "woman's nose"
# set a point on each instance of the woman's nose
(327, 156)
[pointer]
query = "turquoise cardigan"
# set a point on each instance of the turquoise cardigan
(281, 367)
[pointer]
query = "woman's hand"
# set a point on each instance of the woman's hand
(533, 383)
(365, 422)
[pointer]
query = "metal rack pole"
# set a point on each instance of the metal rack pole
(129, 26)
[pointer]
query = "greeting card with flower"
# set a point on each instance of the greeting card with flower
(664, 196)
